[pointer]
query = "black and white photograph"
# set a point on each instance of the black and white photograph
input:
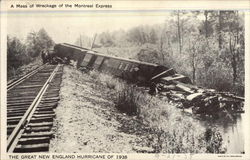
(134, 82)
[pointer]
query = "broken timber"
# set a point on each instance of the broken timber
(201, 101)
(161, 79)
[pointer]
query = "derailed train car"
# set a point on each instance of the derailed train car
(132, 70)
(175, 86)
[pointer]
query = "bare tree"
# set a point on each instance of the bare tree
(179, 31)
(220, 29)
(206, 23)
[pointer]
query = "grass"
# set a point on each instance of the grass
(107, 80)
(128, 100)
(164, 127)
(24, 69)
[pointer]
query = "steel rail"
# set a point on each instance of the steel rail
(18, 81)
(19, 129)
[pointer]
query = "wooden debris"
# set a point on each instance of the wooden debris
(184, 88)
(162, 74)
(199, 100)
(193, 96)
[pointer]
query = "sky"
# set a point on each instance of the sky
(68, 27)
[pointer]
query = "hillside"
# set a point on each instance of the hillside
(89, 119)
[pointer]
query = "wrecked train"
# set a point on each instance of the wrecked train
(174, 86)
(132, 70)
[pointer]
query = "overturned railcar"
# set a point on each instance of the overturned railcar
(132, 70)
(175, 86)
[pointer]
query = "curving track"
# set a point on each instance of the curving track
(30, 109)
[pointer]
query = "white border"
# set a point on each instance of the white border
(139, 5)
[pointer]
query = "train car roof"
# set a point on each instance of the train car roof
(104, 55)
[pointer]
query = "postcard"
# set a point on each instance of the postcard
(118, 80)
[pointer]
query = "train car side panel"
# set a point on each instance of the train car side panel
(86, 60)
(98, 62)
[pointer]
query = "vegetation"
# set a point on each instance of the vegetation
(128, 100)
(207, 46)
(22, 53)
(164, 128)
(107, 80)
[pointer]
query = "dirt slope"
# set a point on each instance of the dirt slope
(86, 121)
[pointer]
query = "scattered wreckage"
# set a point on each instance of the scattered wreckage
(196, 100)
(159, 79)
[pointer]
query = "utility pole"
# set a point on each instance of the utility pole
(93, 42)
(80, 40)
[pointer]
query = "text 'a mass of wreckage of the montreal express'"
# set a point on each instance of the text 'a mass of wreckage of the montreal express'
(62, 6)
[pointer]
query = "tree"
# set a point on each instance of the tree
(179, 31)
(220, 28)
(194, 50)
(153, 37)
(15, 53)
(180, 27)
(37, 41)
(83, 41)
(44, 39)
(106, 39)
(137, 35)
(234, 43)
(206, 27)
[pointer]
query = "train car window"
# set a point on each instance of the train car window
(120, 66)
(126, 67)
(131, 69)
(106, 61)
(87, 57)
(86, 60)
(114, 63)
(92, 61)
(99, 60)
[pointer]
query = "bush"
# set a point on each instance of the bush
(129, 100)
(108, 81)
(94, 74)
(213, 140)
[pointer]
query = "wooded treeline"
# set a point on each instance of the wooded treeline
(207, 46)
(20, 52)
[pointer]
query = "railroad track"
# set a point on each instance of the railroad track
(14, 83)
(30, 109)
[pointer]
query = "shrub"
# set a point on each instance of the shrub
(94, 74)
(213, 140)
(128, 100)
(108, 81)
